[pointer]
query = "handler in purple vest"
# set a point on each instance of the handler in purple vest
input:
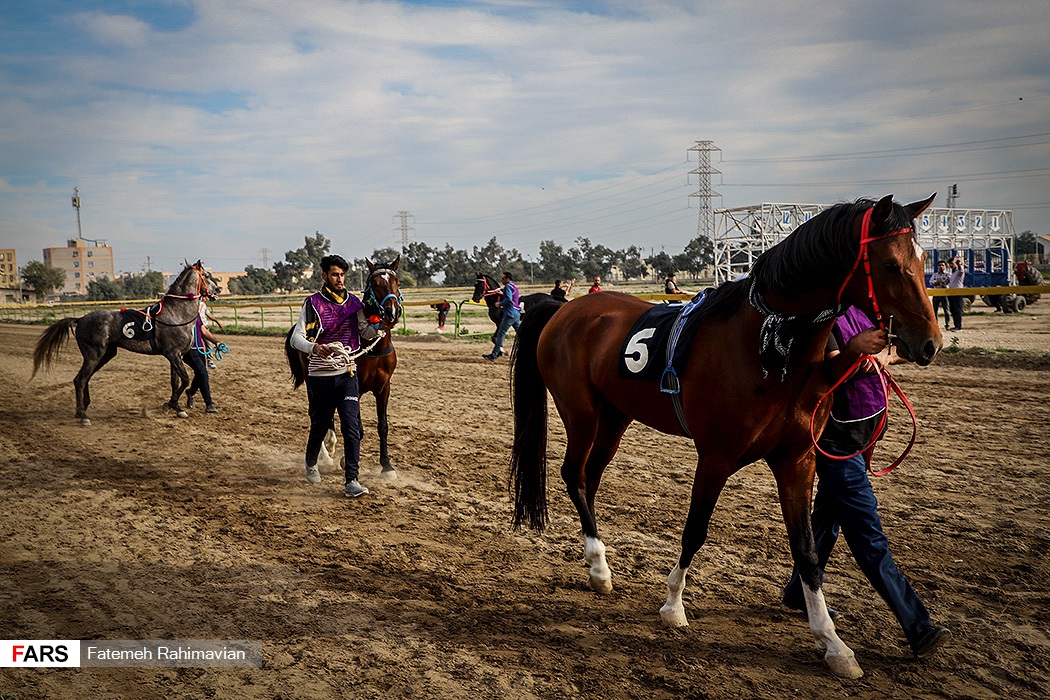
(510, 302)
(331, 322)
(845, 499)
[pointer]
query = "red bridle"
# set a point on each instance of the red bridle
(862, 257)
(887, 381)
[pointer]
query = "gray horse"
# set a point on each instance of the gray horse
(165, 328)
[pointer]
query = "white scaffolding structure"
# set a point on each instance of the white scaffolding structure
(744, 233)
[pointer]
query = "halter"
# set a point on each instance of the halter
(202, 284)
(862, 257)
(487, 291)
(369, 294)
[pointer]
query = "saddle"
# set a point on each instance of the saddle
(658, 342)
(656, 346)
(137, 324)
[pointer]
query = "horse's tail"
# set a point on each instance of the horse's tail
(295, 360)
(528, 459)
(50, 342)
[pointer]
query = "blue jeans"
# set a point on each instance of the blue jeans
(328, 395)
(845, 501)
(511, 317)
(939, 302)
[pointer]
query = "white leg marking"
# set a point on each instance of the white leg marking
(600, 579)
(839, 657)
(673, 611)
(328, 449)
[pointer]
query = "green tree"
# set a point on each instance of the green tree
(421, 261)
(556, 263)
(256, 281)
(593, 259)
(699, 253)
(459, 269)
(146, 286)
(301, 268)
(43, 279)
(632, 263)
(1026, 244)
(104, 289)
(662, 263)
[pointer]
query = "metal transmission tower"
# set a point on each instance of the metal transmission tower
(403, 217)
(953, 195)
(705, 225)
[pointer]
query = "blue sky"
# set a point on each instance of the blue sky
(220, 129)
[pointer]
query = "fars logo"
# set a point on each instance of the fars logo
(17, 653)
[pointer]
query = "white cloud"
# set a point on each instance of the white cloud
(259, 122)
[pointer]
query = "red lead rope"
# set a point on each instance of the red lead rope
(888, 384)
(887, 381)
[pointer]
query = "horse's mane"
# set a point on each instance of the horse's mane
(818, 251)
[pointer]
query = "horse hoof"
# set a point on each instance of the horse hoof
(673, 617)
(85, 422)
(844, 665)
(182, 414)
(600, 585)
(389, 474)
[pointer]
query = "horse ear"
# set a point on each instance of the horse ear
(883, 208)
(916, 208)
(198, 264)
(371, 265)
(397, 261)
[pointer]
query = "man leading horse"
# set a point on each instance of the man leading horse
(330, 328)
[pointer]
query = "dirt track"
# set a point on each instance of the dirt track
(145, 526)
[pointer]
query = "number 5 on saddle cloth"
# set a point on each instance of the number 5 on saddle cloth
(657, 343)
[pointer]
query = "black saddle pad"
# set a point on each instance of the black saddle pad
(643, 354)
(133, 323)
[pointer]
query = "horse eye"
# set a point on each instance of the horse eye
(892, 268)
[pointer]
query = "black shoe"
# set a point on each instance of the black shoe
(930, 641)
(211, 409)
(189, 402)
(490, 358)
(801, 607)
(957, 328)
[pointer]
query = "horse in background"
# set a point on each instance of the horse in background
(166, 328)
(749, 386)
(382, 300)
(487, 288)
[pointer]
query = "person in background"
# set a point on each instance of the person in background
(332, 322)
(442, 310)
(845, 500)
(204, 343)
(597, 286)
(956, 280)
(671, 286)
(206, 316)
(510, 303)
(561, 293)
(939, 280)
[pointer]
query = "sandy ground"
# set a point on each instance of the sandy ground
(146, 526)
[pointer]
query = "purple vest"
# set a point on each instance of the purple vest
(338, 321)
(861, 396)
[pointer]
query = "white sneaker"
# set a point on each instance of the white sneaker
(354, 489)
(313, 474)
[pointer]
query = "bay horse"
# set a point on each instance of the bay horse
(168, 327)
(488, 289)
(751, 383)
(382, 300)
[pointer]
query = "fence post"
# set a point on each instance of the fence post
(262, 317)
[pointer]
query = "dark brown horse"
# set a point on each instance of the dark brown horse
(752, 380)
(382, 299)
(488, 289)
(166, 328)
